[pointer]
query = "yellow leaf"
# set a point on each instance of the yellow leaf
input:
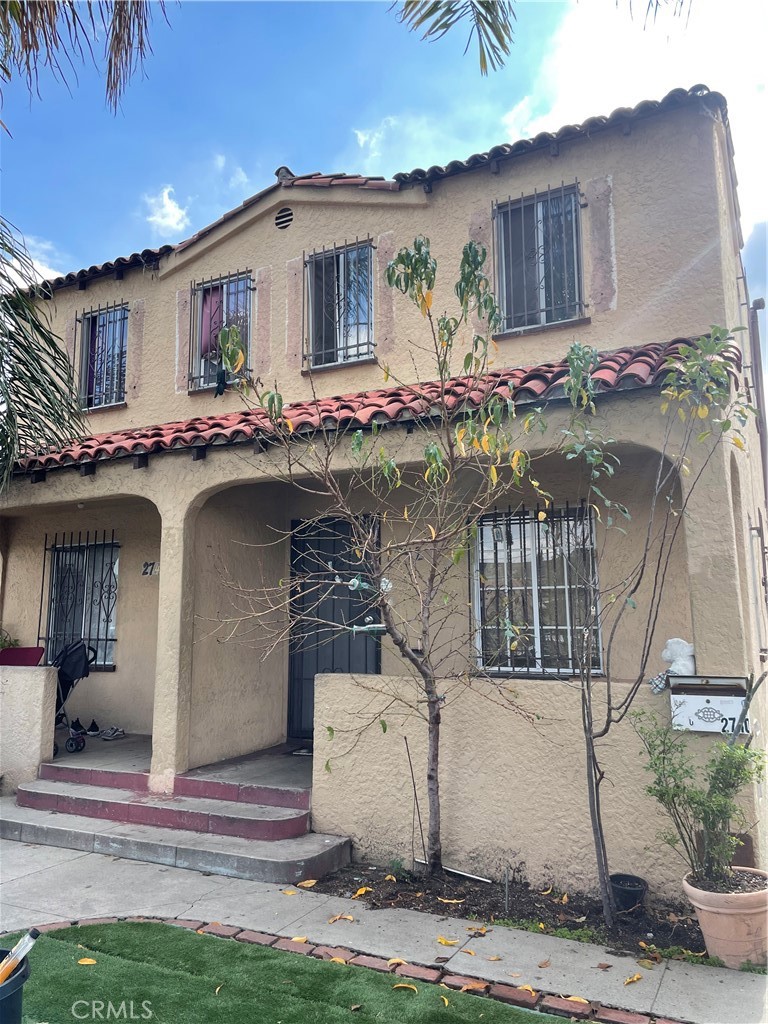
(485, 444)
(288, 424)
(239, 362)
(428, 300)
(542, 927)
(739, 443)
(494, 476)
(469, 952)
(478, 931)
(340, 917)
(703, 411)
(643, 945)
(473, 986)
(565, 898)
(307, 884)
(395, 961)
(389, 878)
(577, 999)
(447, 942)
(362, 891)
(512, 974)
(290, 892)
(689, 953)
(218, 989)
(431, 529)
(86, 960)
(299, 938)
(527, 988)
(647, 964)
(405, 513)
(200, 931)
(441, 900)
(633, 978)
(336, 960)
(493, 958)
(403, 985)
(445, 1000)
(541, 516)
(546, 892)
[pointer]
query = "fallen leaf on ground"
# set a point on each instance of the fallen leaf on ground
(473, 986)
(441, 900)
(418, 895)
(542, 926)
(564, 898)
(604, 967)
(445, 1000)
(218, 989)
(362, 891)
(469, 952)
(475, 932)
(545, 963)
(441, 959)
(688, 952)
(403, 985)
(527, 988)
(577, 999)
(643, 945)
(512, 974)
(299, 938)
(395, 961)
(86, 960)
(546, 892)
(356, 1006)
(290, 892)
(632, 978)
(307, 883)
(340, 917)
(389, 878)
(647, 964)
(447, 942)
(493, 958)
(199, 931)
(337, 960)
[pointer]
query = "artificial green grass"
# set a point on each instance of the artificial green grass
(178, 972)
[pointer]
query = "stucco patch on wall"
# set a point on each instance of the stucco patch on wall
(135, 349)
(293, 313)
(182, 340)
(602, 294)
(384, 299)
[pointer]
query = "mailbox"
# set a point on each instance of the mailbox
(708, 703)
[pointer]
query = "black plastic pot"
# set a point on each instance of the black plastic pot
(628, 891)
(11, 992)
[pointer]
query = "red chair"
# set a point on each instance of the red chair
(28, 657)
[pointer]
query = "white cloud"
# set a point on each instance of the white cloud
(47, 260)
(219, 161)
(600, 58)
(238, 179)
(165, 215)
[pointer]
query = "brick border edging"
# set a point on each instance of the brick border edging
(545, 1002)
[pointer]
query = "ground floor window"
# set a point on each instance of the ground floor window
(81, 575)
(535, 590)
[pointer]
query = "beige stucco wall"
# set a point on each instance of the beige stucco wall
(657, 264)
(123, 697)
(27, 711)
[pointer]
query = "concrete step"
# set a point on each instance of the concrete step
(285, 860)
(194, 814)
(185, 785)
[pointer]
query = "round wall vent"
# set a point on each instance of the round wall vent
(284, 218)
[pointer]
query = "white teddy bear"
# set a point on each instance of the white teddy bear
(679, 654)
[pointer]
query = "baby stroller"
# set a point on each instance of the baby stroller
(74, 663)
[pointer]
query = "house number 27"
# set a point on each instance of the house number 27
(150, 569)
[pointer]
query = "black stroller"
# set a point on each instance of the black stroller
(74, 663)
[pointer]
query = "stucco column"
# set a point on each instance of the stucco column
(719, 631)
(173, 673)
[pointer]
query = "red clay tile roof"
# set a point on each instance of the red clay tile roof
(146, 257)
(622, 370)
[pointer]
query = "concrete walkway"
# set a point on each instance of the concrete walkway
(42, 884)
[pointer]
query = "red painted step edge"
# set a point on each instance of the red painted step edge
(136, 781)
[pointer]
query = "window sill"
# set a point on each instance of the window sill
(537, 676)
(559, 325)
(91, 409)
(312, 370)
(103, 668)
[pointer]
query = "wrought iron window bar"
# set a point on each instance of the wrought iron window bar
(102, 343)
(337, 315)
(214, 303)
(540, 576)
(539, 257)
(78, 594)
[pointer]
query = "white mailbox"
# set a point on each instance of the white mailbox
(708, 703)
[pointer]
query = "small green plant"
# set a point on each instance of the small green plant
(584, 934)
(396, 866)
(749, 968)
(701, 803)
(6, 640)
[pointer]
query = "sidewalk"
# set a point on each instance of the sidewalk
(44, 884)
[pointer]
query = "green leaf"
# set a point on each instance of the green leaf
(328, 766)
(383, 725)
(632, 602)
(331, 733)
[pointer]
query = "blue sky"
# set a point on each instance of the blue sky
(233, 90)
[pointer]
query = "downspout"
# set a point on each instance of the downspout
(759, 384)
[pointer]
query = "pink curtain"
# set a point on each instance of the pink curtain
(213, 320)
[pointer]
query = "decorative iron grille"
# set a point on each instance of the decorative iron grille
(103, 341)
(216, 303)
(538, 258)
(536, 591)
(80, 580)
(338, 304)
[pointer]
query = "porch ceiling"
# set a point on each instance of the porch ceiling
(626, 369)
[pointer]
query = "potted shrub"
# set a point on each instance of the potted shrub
(731, 903)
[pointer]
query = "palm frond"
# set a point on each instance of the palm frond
(39, 402)
(491, 24)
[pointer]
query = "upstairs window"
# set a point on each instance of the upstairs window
(536, 591)
(103, 350)
(538, 248)
(82, 594)
(338, 306)
(216, 303)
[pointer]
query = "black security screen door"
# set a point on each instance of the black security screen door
(328, 594)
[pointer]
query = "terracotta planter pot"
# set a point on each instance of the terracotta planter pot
(734, 924)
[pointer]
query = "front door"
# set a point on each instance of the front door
(327, 599)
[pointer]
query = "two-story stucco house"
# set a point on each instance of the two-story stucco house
(621, 233)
